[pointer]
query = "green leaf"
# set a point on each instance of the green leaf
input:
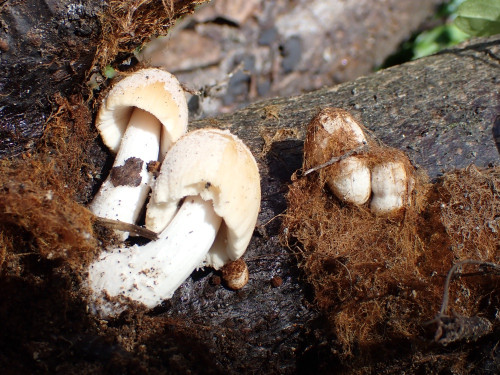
(109, 72)
(434, 40)
(479, 17)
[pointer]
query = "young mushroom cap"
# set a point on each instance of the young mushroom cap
(153, 90)
(334, 133)
(217, 166)
(350, 182)
(235, 274)
(389, 186)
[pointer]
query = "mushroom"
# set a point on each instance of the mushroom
(333, 137)
(235, 274)
(139, 111)
(389, 186)
(214, 179)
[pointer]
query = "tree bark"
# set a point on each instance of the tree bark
(442, 110)
(50, 47)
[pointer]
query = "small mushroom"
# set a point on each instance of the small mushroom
(351, 181)
(141, 110)
(204, 203)
(334, 135)
(235, 274)
(390, 187)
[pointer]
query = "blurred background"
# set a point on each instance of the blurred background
(233, 52)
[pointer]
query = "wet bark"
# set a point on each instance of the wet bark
(442, 110)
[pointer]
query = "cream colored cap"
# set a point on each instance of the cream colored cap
(331, 134)
(152, 90)
(217, 166)
(350, 181)
(389, 186)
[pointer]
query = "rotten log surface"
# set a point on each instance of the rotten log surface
(49, 48)
(442, 110)
(46, 47)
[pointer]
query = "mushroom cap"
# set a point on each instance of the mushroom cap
(153, 90)
(235, 274)
(332, 133)
(351, 180)
(389, 186)
(217, 166)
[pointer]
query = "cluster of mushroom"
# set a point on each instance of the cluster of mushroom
(354, 170)
(203, 203)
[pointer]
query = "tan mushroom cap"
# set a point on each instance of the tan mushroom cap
(217, 166)
(390, 186)
(331, 133)
(152, 90)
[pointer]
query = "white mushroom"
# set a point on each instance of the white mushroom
(215, 177)
(235, 274)
(141, 109)
(333, 134)
(351, 180)
(389, 186)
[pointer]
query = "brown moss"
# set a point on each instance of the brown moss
(128, 24)
(470, 212)
(357, 262)
(378, 278)
(42, 192)
(38, 192)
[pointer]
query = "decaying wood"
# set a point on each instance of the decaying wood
(442, 110)
(58, 47)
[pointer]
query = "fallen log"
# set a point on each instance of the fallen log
(442, 111)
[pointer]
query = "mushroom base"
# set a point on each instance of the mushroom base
(378, 278)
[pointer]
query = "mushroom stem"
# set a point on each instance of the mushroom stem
(122, 195)
(151, 273)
